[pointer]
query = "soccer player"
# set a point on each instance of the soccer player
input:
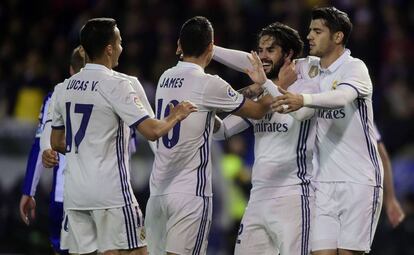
(279, 213)
(178, 215)
(35, 168)
(50, 158)
(92, 114)
(349, 180)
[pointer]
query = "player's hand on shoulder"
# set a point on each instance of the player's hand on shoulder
(183, 109)
(49, 158)
(287, 74)
(27, 208)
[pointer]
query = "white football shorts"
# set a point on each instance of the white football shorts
(346, 216)
(178, 223)
(280, 224)
(86, 231)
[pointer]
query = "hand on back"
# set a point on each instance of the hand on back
(182, 110)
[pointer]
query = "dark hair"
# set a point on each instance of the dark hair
(335, 20)
(78, 59)
(96, 34)
(284, 36)
(195, 35)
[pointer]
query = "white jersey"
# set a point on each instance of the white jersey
(137, 86)
(183, 160)
(346, 144)
(283, 150)
(97, 109)
(307, 68)
(58, 177)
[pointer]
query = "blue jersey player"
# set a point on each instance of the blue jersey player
(35, 168)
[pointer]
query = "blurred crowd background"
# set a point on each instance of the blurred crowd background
(37, 37)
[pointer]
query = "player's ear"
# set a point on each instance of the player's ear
(178, 51)
(210, 46)
(338, 37)
(71, 70)
(109, 50)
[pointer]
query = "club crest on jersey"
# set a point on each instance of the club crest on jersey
(232, 93)
(334, 84)
(313, 71)
(138, 102)
(142, 234)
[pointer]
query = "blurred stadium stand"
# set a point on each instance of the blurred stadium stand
(37, 38)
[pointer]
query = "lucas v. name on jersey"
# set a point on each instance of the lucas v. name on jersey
(81, 85)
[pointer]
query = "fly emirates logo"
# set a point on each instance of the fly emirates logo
(332, 114)
(266, 125)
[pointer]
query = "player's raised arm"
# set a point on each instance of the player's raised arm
(326, 100)
(152, 129)
(249, 64)
(356, 85)
(147, 106)
(256, 109)
(235, 59)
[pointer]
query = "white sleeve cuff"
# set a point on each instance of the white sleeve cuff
(307, 99)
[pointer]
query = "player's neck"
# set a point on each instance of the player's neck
(332, 56)
(196, 60)
(103, 61)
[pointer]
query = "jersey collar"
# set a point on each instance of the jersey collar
(335, 65)
(90, 66)
(189, 65)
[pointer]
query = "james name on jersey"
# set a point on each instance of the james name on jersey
(168, 82)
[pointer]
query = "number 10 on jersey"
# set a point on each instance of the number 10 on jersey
(168, 142)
